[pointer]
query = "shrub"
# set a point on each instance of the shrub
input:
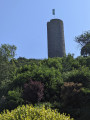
(53, 62)
(70, 94)
(33, 91)
(72, 98)
(33, 113)
(69, 63)
(2, 103)
(14, 98)
(51, 78)
(78, 76)
(84, 61)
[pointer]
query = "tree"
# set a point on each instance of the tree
(7, 51)
(33, 91)
(86, 50)
(84, 41)
(6, 67)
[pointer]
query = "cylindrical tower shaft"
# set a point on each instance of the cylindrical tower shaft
(55, 35)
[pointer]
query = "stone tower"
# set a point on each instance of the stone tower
(55, 36)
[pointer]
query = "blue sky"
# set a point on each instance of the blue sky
(24, 23)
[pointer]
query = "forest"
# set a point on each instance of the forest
(55, 85)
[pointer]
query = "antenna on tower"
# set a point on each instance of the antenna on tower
(53, 12)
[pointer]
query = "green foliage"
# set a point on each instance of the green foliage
(86, 90)
(33, 113)
(7, 73)
(7, 68)
(14, 98)
(62, 79)
(53, 62)
(7, 51)
(84, 61)
(72, 98)
(21, 61)
(75, 100)
(81, 75)
(69, 63)
(52, 105)
(86, 49)
(84, 41)
(14, 94)
(51, 77)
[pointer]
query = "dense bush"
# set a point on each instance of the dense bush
(33, 91)
(84, 61)
(72, 98)
(51, 78)
(53, 62)
(41, 73)
(76, 100)
(70, 94)
(12, 100)
(7, 71)
(52, 72)
(81, 75)
(30, 113)
(21, 61)
(69, 63)
(85, 111)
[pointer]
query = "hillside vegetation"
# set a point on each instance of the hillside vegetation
(58, 83)
(33, 113)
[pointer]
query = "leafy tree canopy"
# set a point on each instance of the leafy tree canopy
(7, 51)
(84, 41)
